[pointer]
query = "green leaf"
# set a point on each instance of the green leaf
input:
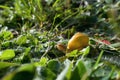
(66, 73)
(24, 72)
(27, 50)
(72, 54)
(42, 62)
(7, 64)
(7, 54)
(21, 40)
(88, 64)
(6, 43)
(80, 71)
(54, 65)
(26, 67)
(86, 51)
(7, 35)
(44, 73)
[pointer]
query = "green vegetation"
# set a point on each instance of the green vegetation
(31, 29)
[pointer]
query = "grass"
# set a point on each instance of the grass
(31, 29)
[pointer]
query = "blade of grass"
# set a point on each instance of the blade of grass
(64, 20)
(98, 60)
(4, 7)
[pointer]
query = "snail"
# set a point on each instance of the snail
(77, 42)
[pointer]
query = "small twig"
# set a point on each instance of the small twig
(47, 50)
(103, 43)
